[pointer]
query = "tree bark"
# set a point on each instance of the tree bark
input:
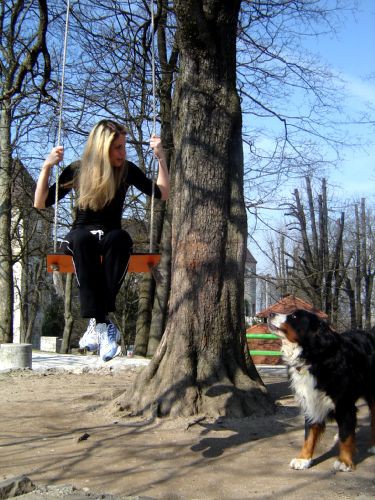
(309, 260)
(34, 301)
(68, 316)
(352, 304)
(366, 266)
(358, 270)
(146, 293)
(6, 271)
(200, 366)
(338, 270)
(162, 291)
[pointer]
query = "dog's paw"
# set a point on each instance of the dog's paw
(300, 463)
(372, 449)
(342, 467)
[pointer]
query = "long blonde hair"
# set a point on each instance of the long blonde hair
(97, 179)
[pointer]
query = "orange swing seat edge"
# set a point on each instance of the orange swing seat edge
(138, 263)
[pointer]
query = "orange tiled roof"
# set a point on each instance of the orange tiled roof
(288, 304)
(259, 328)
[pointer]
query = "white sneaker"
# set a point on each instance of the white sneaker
(90, 339)
(108, 337)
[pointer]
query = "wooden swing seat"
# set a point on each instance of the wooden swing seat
(138, 262)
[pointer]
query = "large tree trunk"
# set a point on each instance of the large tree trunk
(6, 271)
(199, 366)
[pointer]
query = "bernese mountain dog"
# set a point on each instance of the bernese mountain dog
(329, 372)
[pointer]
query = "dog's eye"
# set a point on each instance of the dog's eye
(294, 316)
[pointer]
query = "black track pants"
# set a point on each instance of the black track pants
(100, 261)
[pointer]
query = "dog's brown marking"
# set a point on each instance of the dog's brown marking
(347, 448)
(315, 431)
(289, 332)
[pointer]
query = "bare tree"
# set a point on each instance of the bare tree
(328, 260)
(367, 262)
(321, 244)
(359, 277)
(21, 71)
(293, 103)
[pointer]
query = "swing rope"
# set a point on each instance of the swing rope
(61, 105)
(153, 129)
(142, 262)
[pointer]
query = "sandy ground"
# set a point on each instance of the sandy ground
(43, 415)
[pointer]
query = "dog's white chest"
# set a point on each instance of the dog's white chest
(315, 404)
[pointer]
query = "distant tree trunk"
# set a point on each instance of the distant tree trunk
(68, 316)
(200, 366)
(338, 270)
(126, 319)
(369, 287)
(152, 332)
(6, 271)
(310, 260)
(327, 264)
(352, 303)
(146, 293)
(367, 265)
(162, 291)
(34, 301)
(358, 269)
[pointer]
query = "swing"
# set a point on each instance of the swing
(138, 262)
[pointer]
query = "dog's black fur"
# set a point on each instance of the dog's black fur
(343, 368)
(342, 363)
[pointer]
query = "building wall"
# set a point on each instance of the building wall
(267, 292)
(23, 278)
(30, 231)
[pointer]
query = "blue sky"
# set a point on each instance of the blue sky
(351, 53)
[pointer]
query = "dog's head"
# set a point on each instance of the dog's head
(294, 326)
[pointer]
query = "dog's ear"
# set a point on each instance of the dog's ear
(308, 322)
(315, 323)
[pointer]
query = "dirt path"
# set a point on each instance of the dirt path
(43, 416)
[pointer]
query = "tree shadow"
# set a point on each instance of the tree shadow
(287, 418)
(363, 440)
(247, 429)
